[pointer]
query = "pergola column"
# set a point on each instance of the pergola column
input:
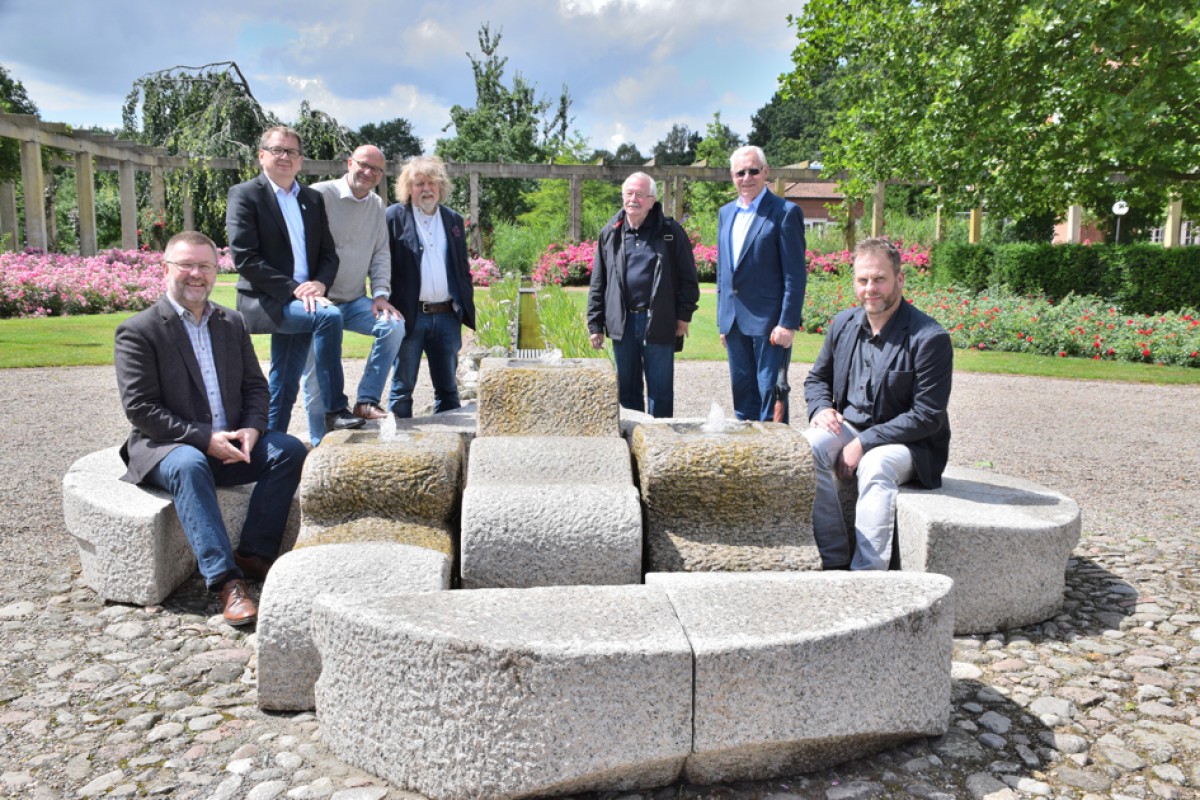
(476, 229)
(85, 191)
(678, 197)
(189, 212)
(34, 185)
(10, 233)
(975, 226)
(576, 222)
(129, 220)
(1173, 230)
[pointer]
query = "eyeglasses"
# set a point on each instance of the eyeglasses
(280, 152)
(367, 168)
(744, 172)
(190, 266)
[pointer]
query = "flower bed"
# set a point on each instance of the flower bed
(37, 284)
(1078, 326)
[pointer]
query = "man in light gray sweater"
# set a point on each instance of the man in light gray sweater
(356, 222)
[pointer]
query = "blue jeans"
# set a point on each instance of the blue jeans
(634, 356)
(192, 479)
(754, 365)
(322, 330)
(439, 336)
(357, 316)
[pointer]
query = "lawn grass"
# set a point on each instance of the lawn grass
(88, 341)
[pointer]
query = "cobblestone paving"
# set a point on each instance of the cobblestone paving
(105, 700)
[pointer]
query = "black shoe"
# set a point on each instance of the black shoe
(343, 421)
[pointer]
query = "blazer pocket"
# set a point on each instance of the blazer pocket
(900, 382)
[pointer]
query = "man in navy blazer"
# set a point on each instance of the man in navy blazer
(192, 389)
(877, 397)
(431, 283)
(281, 245)
(760, 284)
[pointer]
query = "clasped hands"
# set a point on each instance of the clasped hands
(230, 447)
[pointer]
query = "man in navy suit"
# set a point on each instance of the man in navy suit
(760, 284)
(877, 397)
(431, 283)
(283, 250)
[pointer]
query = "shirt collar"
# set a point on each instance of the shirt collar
(186, 314)
(345, 193)
(295, 190)
(753, 204)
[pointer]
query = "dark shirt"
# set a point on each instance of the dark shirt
(639, 264)
(860, 394)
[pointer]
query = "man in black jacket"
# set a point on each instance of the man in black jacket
(643, 293)
(877, 397)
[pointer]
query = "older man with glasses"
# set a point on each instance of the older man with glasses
(283, 250)
(760, 285)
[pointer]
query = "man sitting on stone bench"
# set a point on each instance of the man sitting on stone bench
(877, 397)
(196, 396)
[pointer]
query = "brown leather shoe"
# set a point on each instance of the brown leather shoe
(368, 411)
(239, 608)
(254, 567)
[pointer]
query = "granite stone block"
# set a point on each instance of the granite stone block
(1005, 542)
(505, 693)
(737, 500)
(288, 661)
(800, 671)
(132, 548)
(565, 397)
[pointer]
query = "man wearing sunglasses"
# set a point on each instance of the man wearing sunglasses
(356, 221)
(280, 241)
(760, 285)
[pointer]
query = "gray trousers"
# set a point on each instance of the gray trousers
(881, 470)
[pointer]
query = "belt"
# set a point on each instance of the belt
(444, 307)
(638, 309)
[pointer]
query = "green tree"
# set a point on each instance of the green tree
(394, 137)
(507, 123)
(13, 100)
(1022, 104)
(719, 142)
(324, 137)
(790, 128)
(677, 148)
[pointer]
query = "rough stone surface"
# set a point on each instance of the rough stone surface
(795, 672)
(550, 511)
(506, 693)
(1005, 542)
(131, 544)
(519, 397)
(288, 661)
(726, 501)
(353, 481)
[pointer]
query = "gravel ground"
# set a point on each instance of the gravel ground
(99, 700)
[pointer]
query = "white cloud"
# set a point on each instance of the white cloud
(83, 109)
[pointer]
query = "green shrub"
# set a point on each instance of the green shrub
(966, 265)
(1150, 279)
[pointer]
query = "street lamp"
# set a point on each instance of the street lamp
(1120, 208)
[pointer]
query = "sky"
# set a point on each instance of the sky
(633, 68)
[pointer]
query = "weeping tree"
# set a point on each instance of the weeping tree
(205, 112)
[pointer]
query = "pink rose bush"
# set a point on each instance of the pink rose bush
(35, 284)
(484, 272)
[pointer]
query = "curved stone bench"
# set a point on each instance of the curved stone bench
(1005, 542)
(288, 661)
(800, 671)
(508, 693)
(131, 545)
(550, 511)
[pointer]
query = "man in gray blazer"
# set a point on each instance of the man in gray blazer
(281, 245)
(192, 388)
(877, 397)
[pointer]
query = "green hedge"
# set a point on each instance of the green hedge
(1142, 278)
